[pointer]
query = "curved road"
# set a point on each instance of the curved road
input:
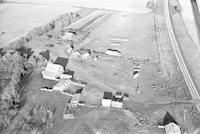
(179, 57)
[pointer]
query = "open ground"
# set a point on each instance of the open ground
(143, 42)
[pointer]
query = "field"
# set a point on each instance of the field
(143, 42)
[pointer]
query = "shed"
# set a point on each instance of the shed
(69, 36)
(61, 61)
(117, 102)
(75, 99)
(113, 52)
(172, 128)
(69, 113)
(170, 125)
(45, 54)
(118, 94)
(107, 99)
(69, 72)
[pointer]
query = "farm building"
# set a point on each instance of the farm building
(170, 125)
(172, 128)
(52, 71)
(117, 102)
(66, 86)
(119, 95)
(62, 85)
(69, 113)
(113, 52)
(107, 99)
(61, 61)
(69, 36)
(56, 70)
(75, 99)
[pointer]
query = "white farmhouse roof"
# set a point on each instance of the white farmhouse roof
(53, 67)
(172, 128)
(52, 71)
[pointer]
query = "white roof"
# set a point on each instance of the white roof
(48, 74)
(62, 84)
(53, 67)
(172, 128)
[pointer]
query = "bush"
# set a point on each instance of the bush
(12, 70)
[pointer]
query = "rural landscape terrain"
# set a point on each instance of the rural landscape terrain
(72, 67)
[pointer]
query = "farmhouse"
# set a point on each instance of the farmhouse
(52, 71)
(61, 61)
(55, 71)
(107, 99)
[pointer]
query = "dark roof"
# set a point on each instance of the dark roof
(83, 51)
(2, 52)
(79, 90)
(107, 95)
(118, 93)
(117, 99)
(45, 54)
(168, 119)
(61, 61)
(126, 95)
(69, 72)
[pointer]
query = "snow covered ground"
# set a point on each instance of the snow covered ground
(189, 20)
(121, 5)
(18, 17)
(16, 20)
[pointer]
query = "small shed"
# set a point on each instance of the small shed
(107, 99)
(172, 128)
(75, 99)
(61, 61)
(70, 36)
(119, 95)
(69, 113)
(45, 54)
(117, 102)
(113, 52)
(69, 72)
(170, 125)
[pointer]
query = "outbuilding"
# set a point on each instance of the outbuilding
(107, 99)
(170, 125)
(75, 99)
(69, 113)
(70, 36)
(62, 85)
(117, 102)
(172, 128)
(119, 95)
(113, 52)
